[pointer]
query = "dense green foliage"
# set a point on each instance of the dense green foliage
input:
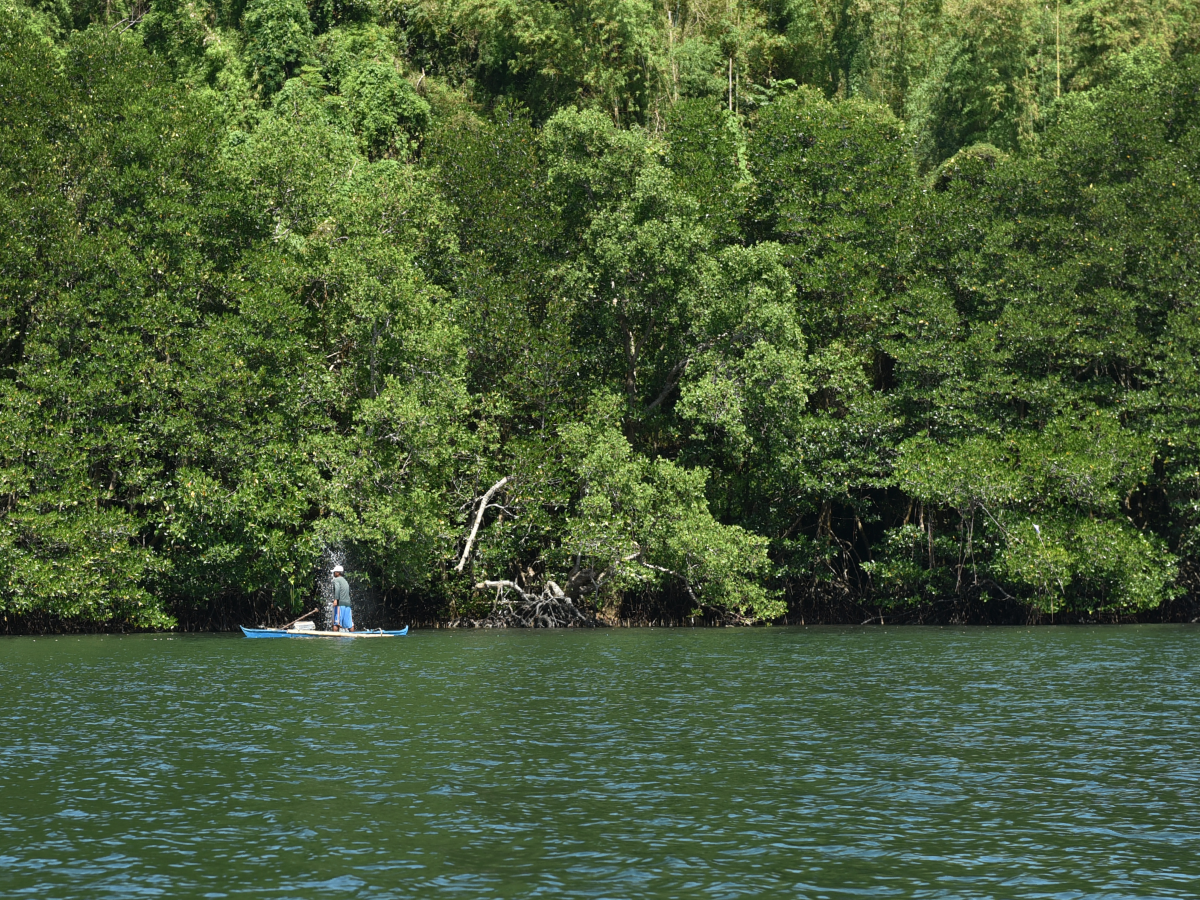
(744, 303)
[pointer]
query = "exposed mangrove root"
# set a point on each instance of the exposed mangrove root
(515, 607)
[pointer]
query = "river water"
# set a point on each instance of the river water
(791, 763)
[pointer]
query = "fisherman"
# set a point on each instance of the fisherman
(341, 602)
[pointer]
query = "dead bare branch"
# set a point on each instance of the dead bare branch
(483, 504)
(503, 585)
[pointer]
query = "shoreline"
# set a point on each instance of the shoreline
(16, 627)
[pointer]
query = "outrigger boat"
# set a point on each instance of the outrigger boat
(313, 633)
(298, 628)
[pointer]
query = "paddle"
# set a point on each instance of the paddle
(301, 619)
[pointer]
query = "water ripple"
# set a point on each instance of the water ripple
(801, 763)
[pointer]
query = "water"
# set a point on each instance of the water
(791, 763)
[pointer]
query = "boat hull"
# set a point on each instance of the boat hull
(281, 633)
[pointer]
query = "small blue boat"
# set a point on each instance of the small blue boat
(311, 633)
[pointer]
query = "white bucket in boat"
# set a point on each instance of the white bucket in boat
(304, 626)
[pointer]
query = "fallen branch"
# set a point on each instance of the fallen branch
(483, 505)
(503, 585)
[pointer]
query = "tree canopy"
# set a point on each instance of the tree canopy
(709, 310)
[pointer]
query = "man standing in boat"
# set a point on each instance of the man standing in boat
(341, 602)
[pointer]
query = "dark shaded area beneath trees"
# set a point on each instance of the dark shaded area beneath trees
(821, 607)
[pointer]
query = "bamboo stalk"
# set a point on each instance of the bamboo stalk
(302, 618)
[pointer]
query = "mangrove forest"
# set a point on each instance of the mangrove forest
(578, 311)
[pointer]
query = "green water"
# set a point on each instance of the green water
(1053, 762)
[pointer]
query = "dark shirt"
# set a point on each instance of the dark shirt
(341, 591)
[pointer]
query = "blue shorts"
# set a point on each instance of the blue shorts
(343, 618)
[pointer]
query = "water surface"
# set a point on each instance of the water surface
(797, 763)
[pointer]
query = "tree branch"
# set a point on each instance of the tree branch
(502, 584)
(483, 504)
(687, 585)
(672, 383)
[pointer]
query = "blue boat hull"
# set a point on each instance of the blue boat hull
(280, 633)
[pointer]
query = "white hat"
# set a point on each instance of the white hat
(337, 569)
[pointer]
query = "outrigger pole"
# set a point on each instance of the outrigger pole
(302, 618)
